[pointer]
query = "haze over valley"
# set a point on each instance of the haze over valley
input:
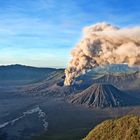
(55, 107)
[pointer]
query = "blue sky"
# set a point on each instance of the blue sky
(43, 32)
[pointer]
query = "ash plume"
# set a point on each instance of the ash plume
(104, 44)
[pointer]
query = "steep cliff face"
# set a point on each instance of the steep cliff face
(103, 95)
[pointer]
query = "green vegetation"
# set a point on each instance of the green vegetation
(125, 128)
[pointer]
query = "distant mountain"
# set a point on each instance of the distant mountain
(51, 81)
(21, 72)
(117, 68)
(53, 84)
(125, 128)
(103, 95)
(122, 80)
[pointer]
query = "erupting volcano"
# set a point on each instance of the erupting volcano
(104, 44)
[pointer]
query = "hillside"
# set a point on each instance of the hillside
(52, 84)
(123, 80)
(125, 128)
(103, 95)
(11, 74)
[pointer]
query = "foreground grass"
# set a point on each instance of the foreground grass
(125, 128)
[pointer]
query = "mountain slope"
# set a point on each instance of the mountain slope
(20, 74)
(125, 128)
(53, 84)
(103, 95)
(121, 80)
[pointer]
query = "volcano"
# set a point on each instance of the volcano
(103, 95)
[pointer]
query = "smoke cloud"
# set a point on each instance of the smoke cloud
(104, 44)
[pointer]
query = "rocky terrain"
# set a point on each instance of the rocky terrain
(124, 80)
(103, 95)
(54, 83)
